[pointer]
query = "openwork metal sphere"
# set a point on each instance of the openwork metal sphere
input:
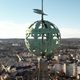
(42, 40)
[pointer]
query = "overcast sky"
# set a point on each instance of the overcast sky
(17, 15)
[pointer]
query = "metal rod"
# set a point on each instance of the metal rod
(42, 9)
(42, 28)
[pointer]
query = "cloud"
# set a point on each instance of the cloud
(17, 30)
(12, 30)
(70, 32)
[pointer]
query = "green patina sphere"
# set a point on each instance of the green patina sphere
(42, 40)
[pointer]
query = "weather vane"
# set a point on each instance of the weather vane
(41, 12)
(42, 36)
